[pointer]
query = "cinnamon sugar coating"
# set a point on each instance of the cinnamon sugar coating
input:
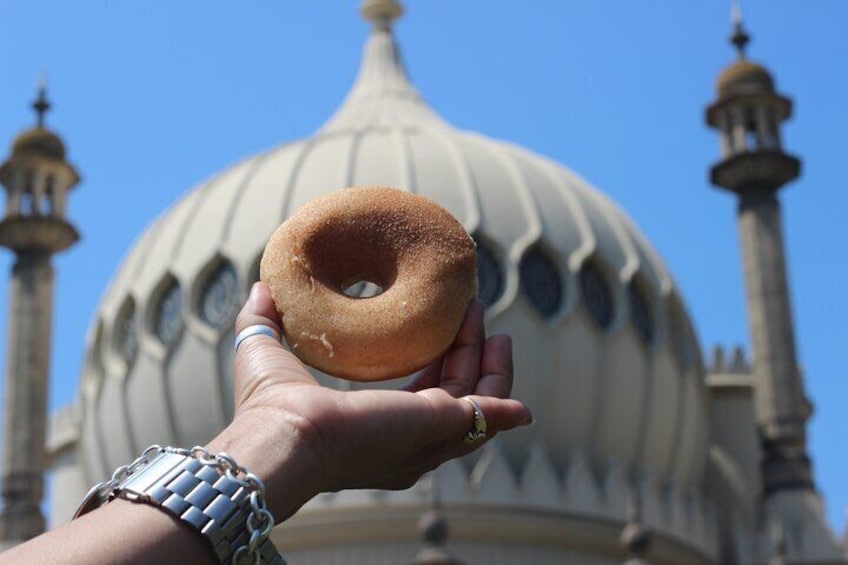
(411, 247)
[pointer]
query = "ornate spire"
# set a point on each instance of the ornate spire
(382, 13)
(433, 529)
(739, 38)
(41, 105)
(635, 538)
(382, 95)
(778, 543)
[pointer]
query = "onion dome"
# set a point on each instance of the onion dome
(37, 179)
(39, 141)
(605, 353)
(743, 76)
(748, 112)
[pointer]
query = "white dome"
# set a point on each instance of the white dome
(605, 353)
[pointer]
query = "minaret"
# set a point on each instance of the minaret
(748, 114)
(34, 227)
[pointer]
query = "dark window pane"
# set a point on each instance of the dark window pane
(489, 275)
(597, 295)
(126, 332)
(219, 297)
(640, 311)
(168, 321)
(540, 281)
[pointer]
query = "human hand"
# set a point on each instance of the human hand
(368, 438)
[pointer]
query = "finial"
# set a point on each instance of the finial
(719, 365)
(739, 364)
(739, 37)
(41, 104)
(382, 13)
(635, 538)
(433, 529)
(778, 543)
(433, 526)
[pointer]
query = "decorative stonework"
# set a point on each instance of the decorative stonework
(571, 511)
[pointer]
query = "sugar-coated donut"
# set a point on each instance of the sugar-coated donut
(408, 245)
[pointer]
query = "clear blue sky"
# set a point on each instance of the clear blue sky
(154, 97)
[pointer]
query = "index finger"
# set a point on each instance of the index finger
(461, 368)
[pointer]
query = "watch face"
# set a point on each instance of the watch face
(126, 332)
(219, 297)
(597, 295)
(640, 311)
(489, 275)
(168, 319)
(541, 282)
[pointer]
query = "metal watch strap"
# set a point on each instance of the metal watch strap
(209, 501)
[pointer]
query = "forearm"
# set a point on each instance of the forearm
(133, 532)
(120, 532)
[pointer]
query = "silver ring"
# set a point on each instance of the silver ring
(478, 429)
(256, 329)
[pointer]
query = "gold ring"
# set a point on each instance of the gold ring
(478, 430)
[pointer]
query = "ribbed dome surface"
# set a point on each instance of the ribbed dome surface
(605, 354)
(40, 142)
(744, 77)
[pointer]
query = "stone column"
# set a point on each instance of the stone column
(24, 457)
(781, 406)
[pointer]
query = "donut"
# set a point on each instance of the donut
(413, 249)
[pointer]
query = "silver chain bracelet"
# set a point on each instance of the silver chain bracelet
(211, 492)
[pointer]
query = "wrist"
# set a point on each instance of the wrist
(271, 444)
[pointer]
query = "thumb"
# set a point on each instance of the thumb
(262, 357)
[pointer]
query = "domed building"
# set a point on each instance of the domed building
(639, 451)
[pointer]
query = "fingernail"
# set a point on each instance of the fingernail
(528, 419)
(504, 335)
(254, 292)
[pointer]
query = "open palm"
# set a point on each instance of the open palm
(378, 438)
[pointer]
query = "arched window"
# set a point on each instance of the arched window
(752, 136)
(541, 282)
(597, 295)
(219, 296)
(28, 205)
(126, 332)
(641, 315)
(167, 318)
(490, 279)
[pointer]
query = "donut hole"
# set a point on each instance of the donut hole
(351, 261)
(359, 241)
(363, 289)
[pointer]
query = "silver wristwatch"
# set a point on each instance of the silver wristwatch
(203, 490)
